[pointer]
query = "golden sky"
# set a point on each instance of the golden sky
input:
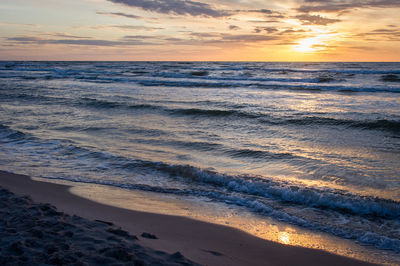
(200, 30)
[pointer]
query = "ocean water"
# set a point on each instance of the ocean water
(315, 145)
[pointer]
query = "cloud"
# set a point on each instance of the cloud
(234, 27)
(85, 42)
(384, 34)
(263, 21)
(266, 12)
(203, 35)
(178, 7)
(307, 19)
(126, 27)
(345, 5)
(65, 35)
(138, 37)
(266, 29)
(119, 14)
(216, 39)
(248, 37)
(291, 31)
(19, 24)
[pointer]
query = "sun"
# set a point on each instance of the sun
(309, 45)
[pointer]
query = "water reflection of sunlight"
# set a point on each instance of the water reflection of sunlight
(284, 237)
(260, 226)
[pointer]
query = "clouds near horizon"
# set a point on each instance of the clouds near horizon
(178, 7)
(345, 5)
(214, 30)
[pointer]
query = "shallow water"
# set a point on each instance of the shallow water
(314, 145)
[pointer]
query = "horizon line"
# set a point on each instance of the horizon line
(197, 61)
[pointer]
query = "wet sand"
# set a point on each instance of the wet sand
(165, 239)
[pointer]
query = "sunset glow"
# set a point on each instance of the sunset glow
(308, 45)
(200, 30)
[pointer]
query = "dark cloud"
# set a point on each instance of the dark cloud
(345, 5)
(178, 7)
(233, 27)
(307, 19)
(126, 27)
(119, 14)
(138, 37)
(366, 48)
(19, 24)
(85, 42)
(263, 21)
(217, 39)
(227, 37)
(266, 12)
(384, 34)
(291, 31)
(66, 35)
(266, 29)
(203, 35)
(246, 38)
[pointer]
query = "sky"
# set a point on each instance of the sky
(200, 30)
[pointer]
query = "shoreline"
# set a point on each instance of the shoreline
(201, 242)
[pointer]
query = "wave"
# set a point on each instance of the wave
(340, 71)
(9, 135)
(390, 78)
(335, 80)
(210, 112)
(262, 195)
(199, 73)
(381, 124)
(284, 191)
(261, 117)
(257, 206)
(257, 186)
(270, 86)
(258, 154)
(229, 110)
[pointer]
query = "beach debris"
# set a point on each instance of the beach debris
(215, 253)
(104, 222)
(149, 236)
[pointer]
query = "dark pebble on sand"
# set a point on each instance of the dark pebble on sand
(177, 255)
(119, 253)
(149, 236)
(56, 259)
(51, 249)
(139, 263)
(104, 222)
(31, 243)
(215, 253)
(118, 232)
(16, 247)
(11, 231)
(79, 254)
(69, 234)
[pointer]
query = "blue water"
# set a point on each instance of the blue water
(312, 144)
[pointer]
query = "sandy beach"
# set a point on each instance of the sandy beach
(136, 237)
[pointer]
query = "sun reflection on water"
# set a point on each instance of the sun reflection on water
(284, 238)
(260, 226)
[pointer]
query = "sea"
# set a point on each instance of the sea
(311, 148)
